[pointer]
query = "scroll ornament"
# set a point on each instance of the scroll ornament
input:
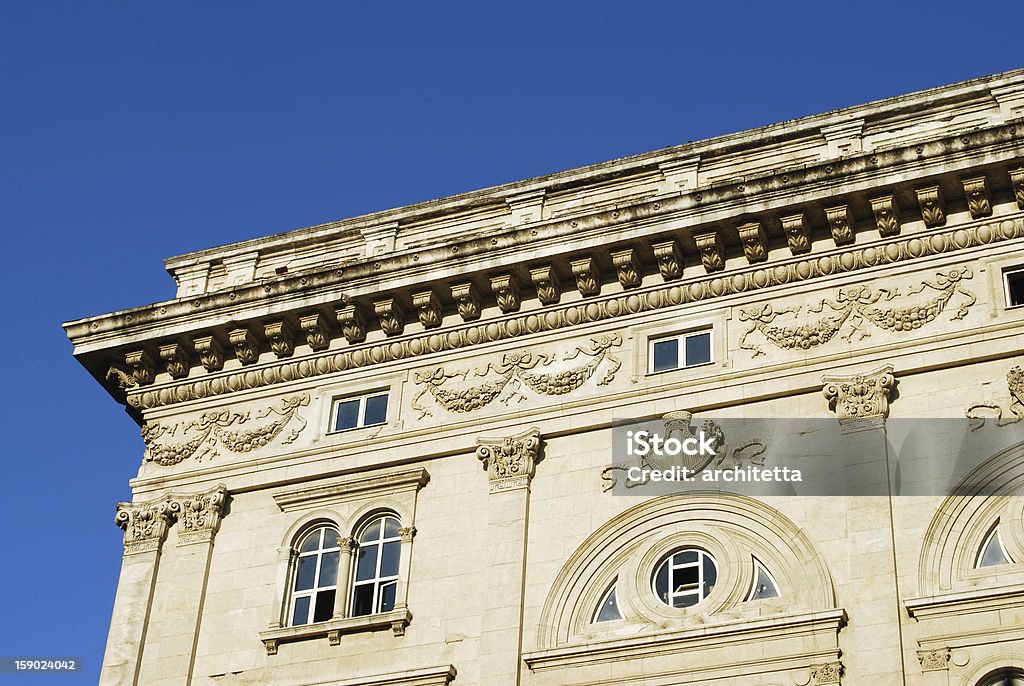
(1015, 384)
(213, 429)
(541, 373)
(853, 308)
(510, 461)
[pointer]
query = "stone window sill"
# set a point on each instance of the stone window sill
(397, 620)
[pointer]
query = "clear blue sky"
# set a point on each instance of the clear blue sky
(136, 131)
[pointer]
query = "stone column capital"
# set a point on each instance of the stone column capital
(510, 461)
(145, 525)
(860, 396)
(198, 514)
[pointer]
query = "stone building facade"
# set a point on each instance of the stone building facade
(378, 451)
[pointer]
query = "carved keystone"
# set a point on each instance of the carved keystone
(887, 215)
(627, 267)
(247, 348)
(391, 316)
(755, 245)
(314, 326)
(840, 223)
(798, 236)
(176, 360)
(506, 292)
(545, 280)
(210, 352)
(670, 259)
(860, 396)
(933, 209)
(712, 254)
(353, 323)
(511, 461)
(140, 366)
(428, 308)
(588, 276)
(978, 201)
(281, 337)
(467, 300)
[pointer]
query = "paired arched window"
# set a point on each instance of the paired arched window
(374, 575)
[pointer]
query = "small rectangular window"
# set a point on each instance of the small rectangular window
(1014, 287)
(683, 350)
(362, 410)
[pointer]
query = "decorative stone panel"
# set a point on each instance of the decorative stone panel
(827, 674)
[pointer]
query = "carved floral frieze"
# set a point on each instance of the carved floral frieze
(540, 373)
(853, 308)
(222, 428)
(1015, 386)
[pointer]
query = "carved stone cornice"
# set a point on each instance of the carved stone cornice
(506, 292)
(247, 348)
(428, 308)
(755, 243)
(933, 209)
(887, 215)
(978, 202)
(198, 514)
(314, 327)
(353, 323)
(712, 253)
(1017, 181)
(828, 674)
(798, 236)
(140, 366)
(211, 354)
(281, 338)
(860, 396)
(391, 315)
(467, 301)
(840, 223)
(934, 660)
(670, 259)
(145, 525)
(652, 298)
(627, 267)
(510, 461)
(546, 282)
(587, 275)
(176, 360)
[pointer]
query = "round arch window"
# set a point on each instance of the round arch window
(1004, 677)
(684, 577)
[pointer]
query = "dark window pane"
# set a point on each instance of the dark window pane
(764, 588)
(330, 538)
(362, 600)
(686, 556)
(300, 615)
(311, 542)
(366, 566)
(698, 349)
(306, 573)
(389, 559)
(391, 527)
(661, 583)
(348, 415)
(328, 569)
(609, 608)
(1015, 289)
(684, 578)
(666, 355)
(376, 410)
(324, 609)
(372, 532)
(710, 574)
(387, 597)
(993, 554)
(685, 600)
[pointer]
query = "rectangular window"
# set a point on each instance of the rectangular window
(680, 351)
(362, 410)
(1014, 280)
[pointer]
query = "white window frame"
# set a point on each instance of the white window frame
(361, 421)
(612, 591)
(752, 591)
(681, 358)
(311, 593)
(1016, 270)
(378, 581)
(669, 561)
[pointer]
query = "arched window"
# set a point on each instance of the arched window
(376, 577)
(992, 552)
(685, 577)
(608, 608)
(764, 585)
(1004, 677)
(316, 577)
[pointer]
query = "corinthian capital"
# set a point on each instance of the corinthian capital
(860, 396)
(198, 514)
(510, 461)
(145, 525)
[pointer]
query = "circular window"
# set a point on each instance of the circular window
(684, 577)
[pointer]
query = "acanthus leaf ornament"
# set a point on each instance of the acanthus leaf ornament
(587, 275)
(887, 215)
(210, 352)
(353, 323)
(281, 338)
(1017, 181)
(506, 292)
(798, 236)
(828, 674)
(140, 366)
(216, 428)
(755, 244)
(176, 360)
(391, 315)
(510, 461)
(545, 281)
(712, 253)
(840, 223)
(198, 514)
(247, 348)
(144, 523)
(516, 371)
(1015, 387)
(860, 396)
(852, 308)
(314, 327)
(670, 259)
(627, 267)
(934, 660)
(978, 202)
(428, 308)
(933, 209)
(467, 301)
